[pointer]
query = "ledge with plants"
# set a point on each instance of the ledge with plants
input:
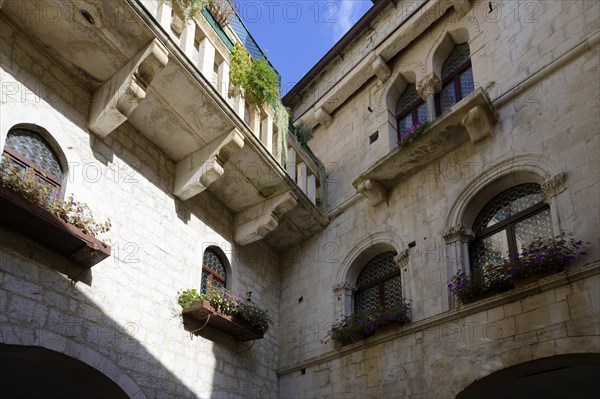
(67, 226)
(364, 324)
(539, 259)
(227, 312)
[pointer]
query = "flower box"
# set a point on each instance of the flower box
(203, 312)
(534, 278)
(43, 227)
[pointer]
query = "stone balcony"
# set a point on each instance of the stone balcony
(169, 79)
(472, 119)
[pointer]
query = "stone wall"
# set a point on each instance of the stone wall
(123, 318)
(543, 59)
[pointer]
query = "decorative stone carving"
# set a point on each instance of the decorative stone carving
(554, 186)
(323, 117)
(428, 86)
(477, 123)
(254, 223)
(381, 69)
(345, 286)
(457, 233)
(114, 102)
(461, 6)
(373, 190)
(199, 170)
(401, 259)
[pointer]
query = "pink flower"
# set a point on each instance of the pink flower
(410, 140)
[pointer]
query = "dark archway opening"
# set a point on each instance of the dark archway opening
(573, 376)
(32, 372)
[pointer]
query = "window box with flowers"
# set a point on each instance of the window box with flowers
(363, 324)
(541, 258)
(225, 311)
(31, 207)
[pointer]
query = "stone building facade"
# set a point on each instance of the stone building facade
(135, 103)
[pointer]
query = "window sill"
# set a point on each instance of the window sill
(43, 227)
(206, 314)
(471, 118)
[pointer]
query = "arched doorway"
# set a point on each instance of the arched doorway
(33, 372)
(573, 376)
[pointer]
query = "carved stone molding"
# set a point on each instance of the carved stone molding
(373, 190)
(119, 96)
(428, 86)
(457, 233)
(341, 287)
(256, 222)
(477, 123)
(323, 117)
(401, 259)
(381, 69)
(199, 170)
(553, 186)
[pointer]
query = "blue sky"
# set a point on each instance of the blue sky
(296, 34)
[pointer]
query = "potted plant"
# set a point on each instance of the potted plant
(489, 279)
(31, 206)
(544, 257)
(363, 324)
(226, 311)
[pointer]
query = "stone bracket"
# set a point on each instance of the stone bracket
(478, 124)
(254, 223)
(461, 6)
(119, 96)
(199, 170)
(381, 69)
(373, 190)
(323, 117)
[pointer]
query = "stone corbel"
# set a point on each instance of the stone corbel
(554, 186)
(478, 124)
(461, 6)
(457, 233)
(428, 86)
(199, 170)
(381, 69)
(256, 222)
(323, 117)
(339, 288)
(401, 259)
(373, 190)
(118, 97)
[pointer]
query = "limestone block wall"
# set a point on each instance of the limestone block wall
(123, 318)
(548, 124)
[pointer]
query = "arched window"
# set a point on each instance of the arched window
(510, 220)
(457, 79)
(213, 271)
(378, 284)
(410, 110)
(29, 150)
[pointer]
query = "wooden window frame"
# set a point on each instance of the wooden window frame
(212, 275)
(380, 282)
(26, 163)
(455, 80)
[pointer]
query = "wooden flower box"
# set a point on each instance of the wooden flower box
(43, 227)
(204, 313)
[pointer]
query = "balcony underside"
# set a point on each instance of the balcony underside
(137, 74)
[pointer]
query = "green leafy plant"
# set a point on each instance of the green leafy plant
(29, 186)
(190, 8)
(361, 325)
(416, 130)
(303, 132)
(255, 76)
(229, 303)
(488, 279)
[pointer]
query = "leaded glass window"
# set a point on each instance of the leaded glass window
(379, 284)
(457, 78)
(213, 271)
(410, 110)
(512, 219)
(29, 150)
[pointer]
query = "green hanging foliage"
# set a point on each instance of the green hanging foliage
(282, 120)
(190, 8)
(255, 76)
(303, 132)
